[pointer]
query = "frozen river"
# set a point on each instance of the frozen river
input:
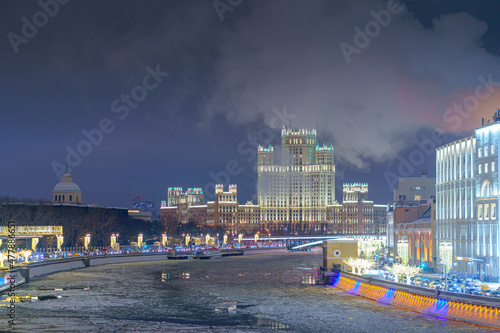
(260, 293)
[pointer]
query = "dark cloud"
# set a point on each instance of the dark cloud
(225, 79)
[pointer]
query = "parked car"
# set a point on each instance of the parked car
(453, 288)
(495, 293)
(485, 287)
(486, 292)
(476, 283)
(436, 284)
(473, 291)
(417, 281)
(425, 283)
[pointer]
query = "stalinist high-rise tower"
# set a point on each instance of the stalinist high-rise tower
(294, 193)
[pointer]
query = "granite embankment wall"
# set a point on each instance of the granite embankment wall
(469, 308)
(53, 266)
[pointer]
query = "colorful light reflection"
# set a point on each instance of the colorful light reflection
(480, 314)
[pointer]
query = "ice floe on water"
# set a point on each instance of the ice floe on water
(261, 293)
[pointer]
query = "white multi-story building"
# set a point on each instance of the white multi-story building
(294, 194)
(467, 194)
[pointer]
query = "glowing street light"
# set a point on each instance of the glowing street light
(188, 238)
(3, 257)
(34, 243)
(26, 254)
(60, 240)
(164, 239)
(140, 239)
(113, 241)
(256, 238)
(86, 241)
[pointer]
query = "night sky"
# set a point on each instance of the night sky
(181, 90)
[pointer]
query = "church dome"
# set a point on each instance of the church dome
(66, 191)
(66, 187)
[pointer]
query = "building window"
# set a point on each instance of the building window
(55, 197)
(492, 166)
(418, 197)
(70, 197)
(486, 189)
(480, 152)
(492, 149)
(485, 167)
(63, 197)
(480, 169)
(493, 211)
(485, 151)
(480, 212)
(486, 212)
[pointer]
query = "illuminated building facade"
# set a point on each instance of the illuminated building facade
(467, 194)
(226, 212)
(356, 215)
(293, 195)
(182, 207)
(411, 193)
(414, 238)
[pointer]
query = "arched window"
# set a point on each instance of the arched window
(486, 189)
(70, 197)
(55, 197)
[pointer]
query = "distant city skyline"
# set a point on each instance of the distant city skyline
(139, 98)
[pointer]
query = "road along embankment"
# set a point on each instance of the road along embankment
(469, 308)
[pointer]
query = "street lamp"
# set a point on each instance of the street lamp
(164, 239)
(140, 239)
(34, 243)
(113, 241)
(60, 240)
(86, 241)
